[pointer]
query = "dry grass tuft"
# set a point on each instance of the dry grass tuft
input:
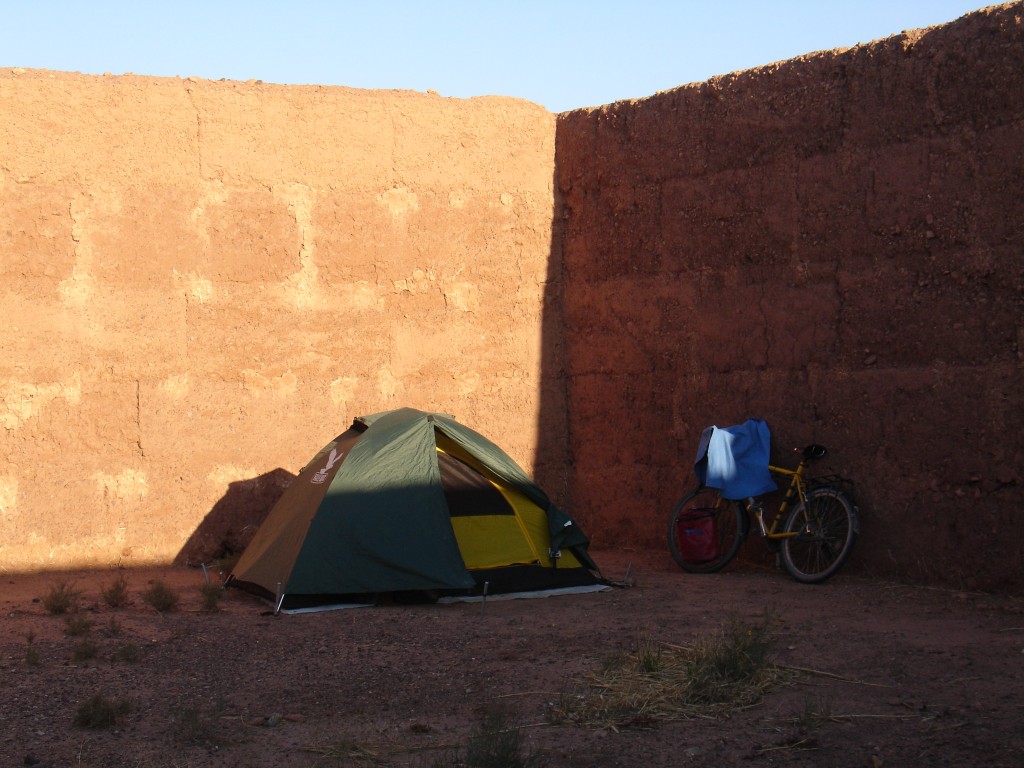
(84, 650)
(100, 712)
(77, 624)
(725, 672)
(815, 713)
(115, 594)
(195, 725)
(160, 597)
(211, 596)
(495, 742)
(129, 652)
(32, 656)
(61, 598)
(113, 628)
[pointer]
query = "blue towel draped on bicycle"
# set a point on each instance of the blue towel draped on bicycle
(735, 459)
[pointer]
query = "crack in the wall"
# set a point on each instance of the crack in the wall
(79, 286)
(199, 128)
(138, 418)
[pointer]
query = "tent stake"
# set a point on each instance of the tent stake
(278, 600)
(483, 602)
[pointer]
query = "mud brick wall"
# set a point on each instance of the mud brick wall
(204, 282)
(833, 244)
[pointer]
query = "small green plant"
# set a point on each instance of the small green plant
(32, 655)
(495, 743)
(648, 657)
(77, 624)
(212, 594)
(644, 658)
(160, 597)
(100, 712)
(129, 652)
(84, 650)
(724, 667)
(115, 594)
(61, 598)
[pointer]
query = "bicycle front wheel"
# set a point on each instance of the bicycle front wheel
(825, 527)
(705, 531)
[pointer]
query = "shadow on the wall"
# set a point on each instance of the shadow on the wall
(230, 525)
(551, 458)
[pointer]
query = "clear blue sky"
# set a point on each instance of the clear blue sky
(562, 54)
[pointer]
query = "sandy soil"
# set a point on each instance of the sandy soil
(908, 676)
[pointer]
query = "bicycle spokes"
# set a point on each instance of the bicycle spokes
(823, 530)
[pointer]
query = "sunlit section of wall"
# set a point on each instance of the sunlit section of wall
(205, 281)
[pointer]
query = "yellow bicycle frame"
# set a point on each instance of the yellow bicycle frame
(795, 492)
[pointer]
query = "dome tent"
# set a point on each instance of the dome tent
(412, 503)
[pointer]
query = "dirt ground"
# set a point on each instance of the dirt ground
(898, 675)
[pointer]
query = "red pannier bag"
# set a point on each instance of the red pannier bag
(695, 536)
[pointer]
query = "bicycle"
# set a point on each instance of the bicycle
(813, 540)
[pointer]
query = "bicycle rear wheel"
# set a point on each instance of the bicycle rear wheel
(826, 526)
(705, 531)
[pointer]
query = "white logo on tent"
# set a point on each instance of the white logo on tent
(321, 474)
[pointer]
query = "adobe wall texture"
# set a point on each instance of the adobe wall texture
(833, 244)
(205, 282)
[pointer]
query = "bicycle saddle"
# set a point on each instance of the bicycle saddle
(814, 451)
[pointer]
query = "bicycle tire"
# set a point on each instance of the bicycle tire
(728, 529)
(826, 526)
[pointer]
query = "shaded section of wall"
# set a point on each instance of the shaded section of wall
(230, 525)
(203, 281)
(833, 244)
